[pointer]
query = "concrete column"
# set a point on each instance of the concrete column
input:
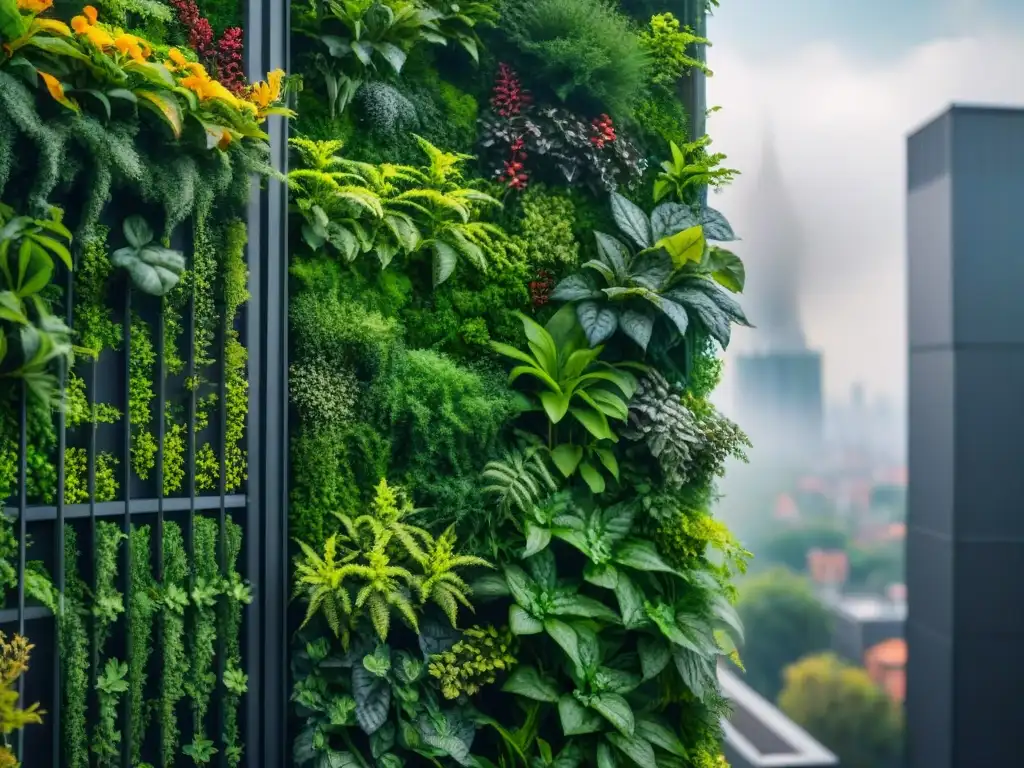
(965, 537)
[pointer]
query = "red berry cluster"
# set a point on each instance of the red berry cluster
(540, 289)
(604, 131)
(514, 173)
(509, 95)
(229, 61)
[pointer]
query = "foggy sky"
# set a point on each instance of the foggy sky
(841, 85)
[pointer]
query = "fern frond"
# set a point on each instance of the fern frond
(380, 616)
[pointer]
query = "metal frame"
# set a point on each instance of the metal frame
(261, 509)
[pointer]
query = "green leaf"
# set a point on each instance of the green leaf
(615, 710)
(636, 749)
(567, 457)
(137, 231)
(392, 54)
(522, 587)
(654, 654)
(165, 106)
(576, 719)
(599, 321)
(685, 246)
(601, 575)
(728, 270)
(555, 405)
(153, 269)
(607, 457)
(638, 326)
(582, 607)
(543, 569)
(591, 476)
(373, 699)
(12, 23)
(575, 288)
(445, 259)
(565, 636)
(595, 422)
(631, 602)
(671, 218)
(537, 539)
(613, 253)
(715, 226)
(527, 682)
(653, 729)
(697, 672)
(642, 556)
(606, 757)
(522, 623)
(631, 220)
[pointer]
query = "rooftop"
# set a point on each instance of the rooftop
(758, 735)
(865, 608)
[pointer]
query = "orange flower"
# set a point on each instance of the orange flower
(86, 26)
(225, 140)
(34, 6)
(56, 89)
(132, 46)
(265, 94)
(175, 60)
(91, 14)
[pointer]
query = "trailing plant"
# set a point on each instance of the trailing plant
(110, 676)
(142, 609)
(669, 278)
(73, 640)
(202, 649)
(237, 594)
(14, 657)
(174, 601)
(390, 566)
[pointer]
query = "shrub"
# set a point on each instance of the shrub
(842, 707)
(584, 51)
(784, 621)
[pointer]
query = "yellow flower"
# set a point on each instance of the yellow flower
(91, 14)
(132, 46)
(265, 94)
(87, 28)
(34, 6)
(175, 60)
(225, 140)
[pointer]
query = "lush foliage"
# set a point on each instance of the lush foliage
(870, 731)
(785, 621)
(128, 142)
(566, 504)
(14, 657)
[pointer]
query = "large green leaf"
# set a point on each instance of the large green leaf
(606, 756)
(522, 587)
(635, 748)
(575, 288)
(638, 326)
(595, 422)
(631, 602)
(642, 555)
(577, 719)
(727, 269)
(653, 729)
(696, 671)
(654, 654)
(631, 219)
(582, 607)
(671, 218)
(684, 247)
(563, 634)
(527, 682)
(715, 226)
(153, 269)
(613, 253)
(522, 623)
(445, 259)
(373, 698)
(12, 24)
(567, 457)
(615, 710)
(599, 321)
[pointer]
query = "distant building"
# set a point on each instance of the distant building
(886, 663)
(862, 622)
(758, 735)
(779, 395)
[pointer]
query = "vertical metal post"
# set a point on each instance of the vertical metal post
(267, 48)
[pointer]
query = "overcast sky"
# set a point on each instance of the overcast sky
(842, 84)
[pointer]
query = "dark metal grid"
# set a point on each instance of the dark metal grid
(264, 554)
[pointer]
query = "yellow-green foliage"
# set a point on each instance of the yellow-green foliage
(545, 228)
(870, 731)
(394, 565)
(141, 373)
(473, 662)
(76, 482)
(666, 42)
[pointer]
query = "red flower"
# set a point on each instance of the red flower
(200, 33)
(603, 131)
(541, 287)
(509, 95)
(230, 70)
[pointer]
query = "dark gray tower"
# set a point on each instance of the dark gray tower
(965, 533)
(778, 384)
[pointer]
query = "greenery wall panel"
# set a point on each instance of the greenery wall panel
(507, 302)
(129, 138)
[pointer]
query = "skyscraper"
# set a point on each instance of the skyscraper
(779, 382)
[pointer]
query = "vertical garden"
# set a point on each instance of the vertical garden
(506, 298)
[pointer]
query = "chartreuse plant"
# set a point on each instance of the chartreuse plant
(690, 170)
(381, 564)
(387, 210)
(667, 279)
(14, 657)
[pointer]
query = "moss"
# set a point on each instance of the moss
(141, 375)
(545, 228)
